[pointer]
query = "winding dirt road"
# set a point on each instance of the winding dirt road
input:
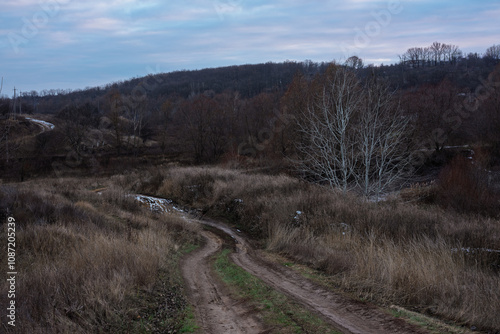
(216, 312)
(345, 315)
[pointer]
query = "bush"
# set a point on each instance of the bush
(463, 186)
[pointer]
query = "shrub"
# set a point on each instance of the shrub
(463, 186)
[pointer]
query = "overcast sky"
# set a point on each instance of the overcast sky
(47, 44)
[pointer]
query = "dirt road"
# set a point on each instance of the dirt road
(44, 126)
(345, 315)
(217, 313)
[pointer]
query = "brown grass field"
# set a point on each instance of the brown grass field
(91, 261)
(98, 261)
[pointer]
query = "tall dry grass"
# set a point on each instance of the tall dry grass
(426, 274)
(83, 256)
(394, 252)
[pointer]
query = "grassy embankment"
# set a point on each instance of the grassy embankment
(92, 262)
(394, 253)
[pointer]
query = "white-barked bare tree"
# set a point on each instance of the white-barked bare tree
(353, 134)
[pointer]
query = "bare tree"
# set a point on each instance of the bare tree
(450, 52)
(403, 58)
(493, 52)
(455, 53)
(414, 56)
(354, 62)
(218, 124)
(6, 132)
(437, 51)
(353, 135)
(79, 119)
(327, 126)
(427, 55)
(116, 108)
(293, 102)
(446, 51)
(203, 127)
(135, 114)
(382, 149)
(434, 54)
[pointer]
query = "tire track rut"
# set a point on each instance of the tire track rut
(215, 310)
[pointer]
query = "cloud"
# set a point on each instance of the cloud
(15, 4)
(120, 38)
(101, 23)
(60, 38)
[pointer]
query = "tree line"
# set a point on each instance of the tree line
(433, 55)
(282, 112)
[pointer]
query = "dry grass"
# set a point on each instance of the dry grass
(83, 255)
(394, 252)
(426, 275)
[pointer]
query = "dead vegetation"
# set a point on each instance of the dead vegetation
(93, 261)
(416, 255)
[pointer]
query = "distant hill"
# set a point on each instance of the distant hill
(251, 80)
(247, 80)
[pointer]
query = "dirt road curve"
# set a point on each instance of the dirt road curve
(215, 311)
(345, 315)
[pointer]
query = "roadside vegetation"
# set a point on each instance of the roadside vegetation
(280, 313)
(411, 250)
(93, 261)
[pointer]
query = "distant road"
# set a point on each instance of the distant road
(46, 126)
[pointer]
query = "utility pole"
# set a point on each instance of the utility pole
(15, 100)
(7, 130)
(20, 103)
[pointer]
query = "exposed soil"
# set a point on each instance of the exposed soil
(215, 311)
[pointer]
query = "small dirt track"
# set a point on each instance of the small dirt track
(345, 315)
(215, 310)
